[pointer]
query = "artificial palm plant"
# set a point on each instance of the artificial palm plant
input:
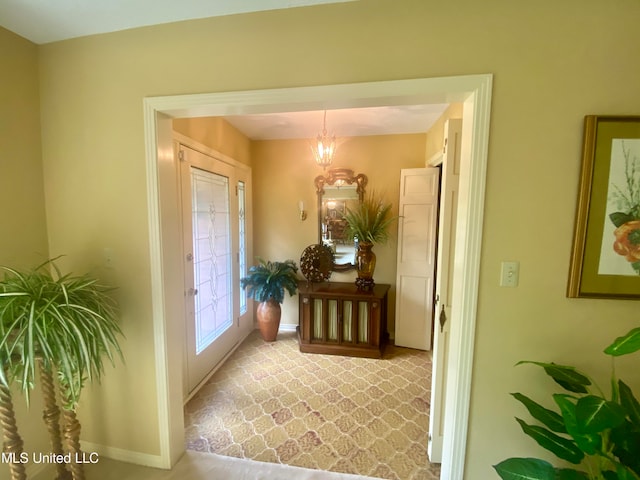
(266, 283)
(368, 224)
(65, 325)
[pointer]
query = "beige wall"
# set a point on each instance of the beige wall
(553, 62)
(217, 134)
(23, 234)
(23, 241)
(283, 174)
(435, 135)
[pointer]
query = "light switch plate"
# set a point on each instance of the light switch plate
(509, 273)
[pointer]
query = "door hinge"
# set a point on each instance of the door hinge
(181, 155)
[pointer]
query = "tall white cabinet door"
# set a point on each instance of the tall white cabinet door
(417, 235)
(444, 281)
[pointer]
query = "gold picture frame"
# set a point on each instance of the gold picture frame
(605, 261)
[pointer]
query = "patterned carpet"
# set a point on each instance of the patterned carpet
(271, 403)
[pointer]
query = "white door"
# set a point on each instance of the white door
(210, 226)
(417, 231)
(444, 280)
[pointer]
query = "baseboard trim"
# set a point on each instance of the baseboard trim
(287, 327)
(127, 456)
(47, 471)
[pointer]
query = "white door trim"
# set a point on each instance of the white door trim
(473, 90)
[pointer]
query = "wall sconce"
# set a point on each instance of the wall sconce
(303, 212)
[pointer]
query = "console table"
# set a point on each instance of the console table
(339, 319)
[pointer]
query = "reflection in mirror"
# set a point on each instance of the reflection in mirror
(338, 191)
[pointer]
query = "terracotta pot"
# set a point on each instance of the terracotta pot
(269, 314)
(365, 265)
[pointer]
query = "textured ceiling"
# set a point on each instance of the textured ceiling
(343, 123)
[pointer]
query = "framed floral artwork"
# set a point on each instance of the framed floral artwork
(605, 261)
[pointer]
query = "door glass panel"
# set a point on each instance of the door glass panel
(317, 319)
(332, 312)
(363, 322)
(211, 256)
(347, 314)
(242, 244)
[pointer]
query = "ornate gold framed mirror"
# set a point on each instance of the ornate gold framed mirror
(340, 189)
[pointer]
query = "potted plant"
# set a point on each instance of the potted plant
(368, 224)
(63, 326)
(266, 283)
(599, 434)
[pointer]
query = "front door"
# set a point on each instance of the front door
(210, 217)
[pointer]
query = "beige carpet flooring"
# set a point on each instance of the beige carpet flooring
(201, 466)
(271, 403)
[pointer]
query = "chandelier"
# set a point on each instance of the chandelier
(325, 148)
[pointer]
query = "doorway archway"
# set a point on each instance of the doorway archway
(474, 91)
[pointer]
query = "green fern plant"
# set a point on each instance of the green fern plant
(599, 434)
(268, 280)
(370, 220)
(69, 323)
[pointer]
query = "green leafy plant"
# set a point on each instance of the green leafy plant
(66, 322)
(600, 435)
(369, 221)
(269, 280)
